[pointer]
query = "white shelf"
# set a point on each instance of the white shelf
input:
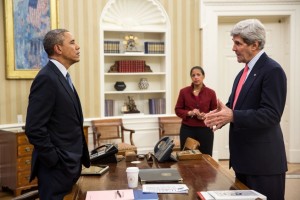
(115, 24)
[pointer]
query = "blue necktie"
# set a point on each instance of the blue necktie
(69, 81)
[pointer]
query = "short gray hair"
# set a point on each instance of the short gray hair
(250, 30)
(52, 38)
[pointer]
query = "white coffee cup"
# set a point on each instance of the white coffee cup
(132, 176)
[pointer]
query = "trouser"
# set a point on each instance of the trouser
(55, 183)
(272, 186)
(203, 135)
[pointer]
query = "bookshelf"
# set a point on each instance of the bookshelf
(146, 24)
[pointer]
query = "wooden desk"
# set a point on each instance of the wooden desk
(199, 175)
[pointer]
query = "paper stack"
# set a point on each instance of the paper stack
(166, 188)
(231, 195)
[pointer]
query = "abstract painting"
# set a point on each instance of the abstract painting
(26, 23)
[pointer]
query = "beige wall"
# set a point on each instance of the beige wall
(82, 19)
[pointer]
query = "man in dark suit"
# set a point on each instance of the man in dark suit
(257, 152)
(54, 123)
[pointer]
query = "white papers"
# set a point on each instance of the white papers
(126, 194)
(166, 188)
(236, 195)
(205, 196)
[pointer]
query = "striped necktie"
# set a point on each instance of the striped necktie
(69, 81)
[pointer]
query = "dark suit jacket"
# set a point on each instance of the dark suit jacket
(255, 138)
(54, 123)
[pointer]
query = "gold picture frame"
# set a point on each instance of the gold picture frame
(36, 13)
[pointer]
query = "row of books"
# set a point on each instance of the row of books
(154, 47)
(149, 47)
(157, 106)
(131, 65)
(111, 46)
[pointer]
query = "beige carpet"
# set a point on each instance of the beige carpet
(293, 171)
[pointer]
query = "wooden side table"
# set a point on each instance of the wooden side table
(15, 160)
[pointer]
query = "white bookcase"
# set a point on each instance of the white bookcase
(148, 21)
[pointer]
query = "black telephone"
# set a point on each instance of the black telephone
(163, 149)
(104, 154)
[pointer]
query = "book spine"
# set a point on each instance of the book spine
(151, 106)
(146, 50)
(120, 66)
(109, 107)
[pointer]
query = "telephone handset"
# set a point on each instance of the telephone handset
(104, 154)
(163, 149)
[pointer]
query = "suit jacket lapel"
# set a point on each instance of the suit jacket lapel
(250, 79)
(78, 105)
(69, 90)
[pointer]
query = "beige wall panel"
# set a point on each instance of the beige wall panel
(82, 19)
(184, 17)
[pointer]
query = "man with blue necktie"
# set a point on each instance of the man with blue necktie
(54, 123)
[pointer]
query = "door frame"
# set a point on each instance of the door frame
(212, 10)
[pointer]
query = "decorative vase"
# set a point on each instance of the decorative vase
(143, 84)
(120, 86)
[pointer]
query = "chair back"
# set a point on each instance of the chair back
(107, 129)
(170, 126)
(112, 131)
